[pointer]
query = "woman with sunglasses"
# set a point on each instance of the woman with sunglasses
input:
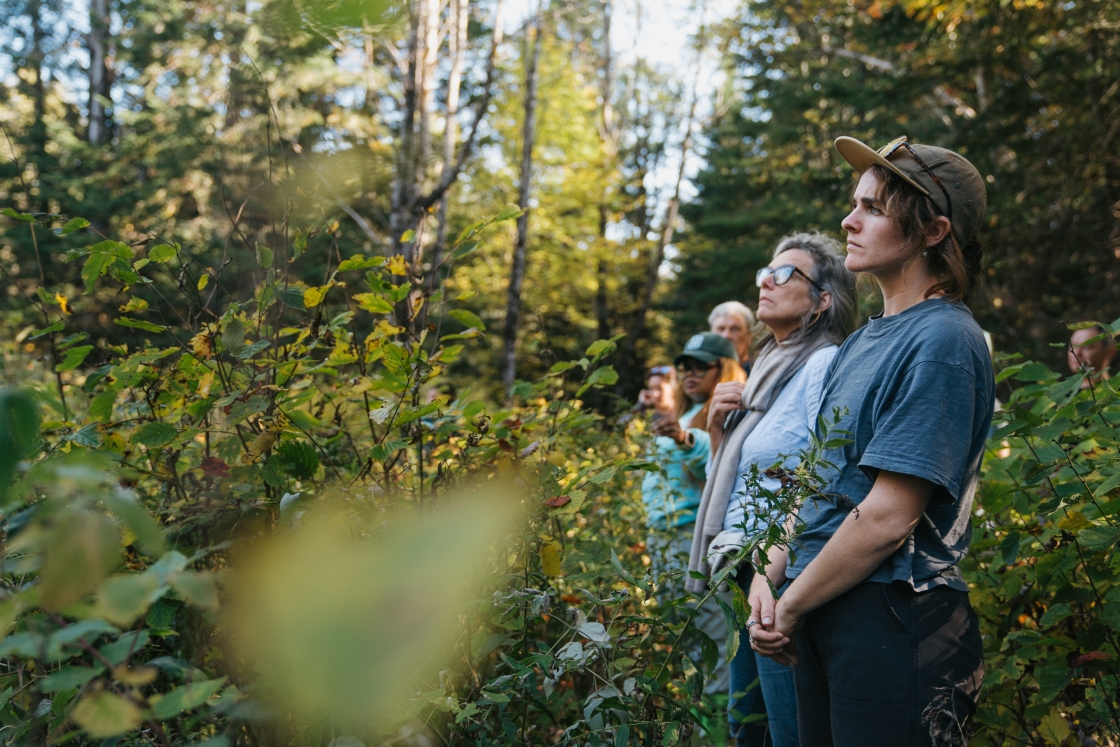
(876, 616)
(681, 450)
(807, 303)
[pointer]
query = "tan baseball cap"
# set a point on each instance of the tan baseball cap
(947, 178)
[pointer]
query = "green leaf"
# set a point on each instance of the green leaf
(233, 336)
(126, 645)
(101, 406)
(184, 698)
(300, 459)
(72, 225)
(56, 327)
(1055, 614)
(69, 678)
(1054, 728)
(196, 588)
(163, 253)
(1098, 538)
(290, 297)
(380, 452)
(122, 599)
(95, 266)
(467, 318)
(104, 715)
(598, 347)
(358, 262)
(13, 213)
(264, 256)
(154, 435)
(125, 321)
(1009, 548)
(408, 236)
(74, 358)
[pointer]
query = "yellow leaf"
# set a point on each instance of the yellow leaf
(550, 557)
(312, 297)
(260, 445)
(204, 384)
(1075, 521)
(138, 676)
(64, 304)
(398, 266)
(203, 347)
(203, 281)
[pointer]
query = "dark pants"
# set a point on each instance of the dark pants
(884, 665)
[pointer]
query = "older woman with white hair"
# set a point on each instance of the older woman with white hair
(807, 302)
(734, 321)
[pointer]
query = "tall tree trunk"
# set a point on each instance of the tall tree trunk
(517, 264)
(409, 205)
(460, 15)
(98, 132)
(628, 359)
(36, 60)
(609, 136)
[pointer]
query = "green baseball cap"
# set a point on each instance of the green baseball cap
(707, 347)
(947, 178)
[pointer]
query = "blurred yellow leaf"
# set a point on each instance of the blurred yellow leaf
(203, 281)
(105, 715)
(63, 303)
(83, 548)
(202, 345)
(343, 627)
(138, 676)
(550, 557)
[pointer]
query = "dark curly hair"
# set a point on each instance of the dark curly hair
(956, 267)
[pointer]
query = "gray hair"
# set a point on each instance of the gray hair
(841, 318)
(732, 308)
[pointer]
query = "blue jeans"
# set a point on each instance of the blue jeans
(773, 695)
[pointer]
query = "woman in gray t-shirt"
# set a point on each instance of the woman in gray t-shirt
(876, 615)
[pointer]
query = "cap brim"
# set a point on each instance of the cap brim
(701, 355)
(862, 157)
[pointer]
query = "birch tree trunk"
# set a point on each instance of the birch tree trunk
(457, 42)
(517, 264)
(609, 135)
(98, 131)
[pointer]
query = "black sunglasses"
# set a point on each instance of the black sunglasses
(782, 275)
(693, 366)
(890, 148)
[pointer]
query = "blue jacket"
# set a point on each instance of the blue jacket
(672, 496)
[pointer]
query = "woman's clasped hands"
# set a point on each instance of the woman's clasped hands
(773, 626)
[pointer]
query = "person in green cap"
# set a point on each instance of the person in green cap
(876, 618)
(681, 448)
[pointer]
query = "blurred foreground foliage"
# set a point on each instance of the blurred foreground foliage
(269, 526)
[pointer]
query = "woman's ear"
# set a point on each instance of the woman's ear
(825, 303)
(939, 231)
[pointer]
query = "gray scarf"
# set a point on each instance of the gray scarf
(776, 365)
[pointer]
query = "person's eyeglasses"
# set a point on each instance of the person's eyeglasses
(782, 275)
(660, 370)
(695, 368)
(887, 150)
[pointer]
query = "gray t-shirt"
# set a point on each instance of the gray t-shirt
(919, 391)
